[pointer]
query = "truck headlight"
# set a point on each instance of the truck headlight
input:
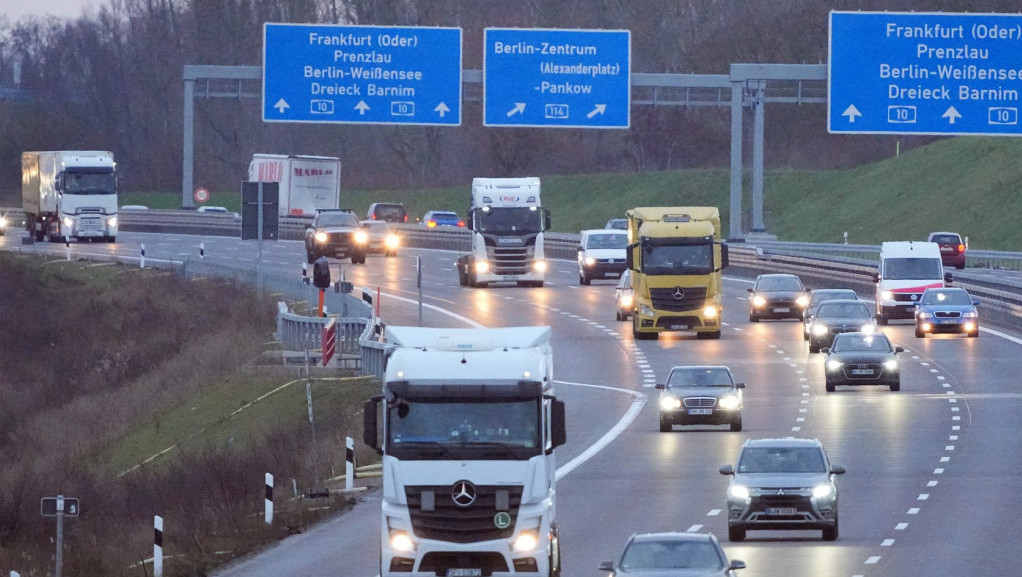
(887, 295)
(539, 266)
(728, 402)
(646, 311)
(669, 403)
(320, 237)
(400, 541)
(68, 222)
(111, 222)
(361, 237)
(526, 542)
(820, 329)
(710, 312)
(482, 266)
(823, 491)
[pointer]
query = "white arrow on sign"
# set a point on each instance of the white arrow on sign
(281, 105)
(518, 109)
(600, 109)
(442, 109)
(361, 107)
(951, 114)
(851, 112)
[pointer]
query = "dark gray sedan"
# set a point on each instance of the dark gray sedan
(673, 554)
(839, 316)
(861, 359)
(700, 395)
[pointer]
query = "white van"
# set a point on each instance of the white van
(906, 269)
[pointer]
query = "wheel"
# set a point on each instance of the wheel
(111, 239)
(830, 387)
(311, 257)
(896, 386)
(617, 315)
(555, 557)
(805, 335)
(389, 253)
(583, 279)
(736, 425)
(462, 275)
(881, 319)
(920, 334)
(537, 284)
(709, 335)
(830, 533)
(753, 318)
(813, 348)
(735, 534)
(974, 333)
(665, 426)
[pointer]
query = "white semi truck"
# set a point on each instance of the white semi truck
(508, 221)
(307, 183)
(467, 426)
(70, 194)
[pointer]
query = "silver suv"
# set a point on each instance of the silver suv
(782, 484)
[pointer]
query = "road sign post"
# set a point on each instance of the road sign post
(557, 78)
(59, 507)
(925, 73)
(361, 74)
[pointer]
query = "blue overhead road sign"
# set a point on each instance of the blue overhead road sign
(557, 78)
(361, 74)
(925, 73)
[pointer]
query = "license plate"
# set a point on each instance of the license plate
(700, 411)
(861, 371)
(949, 321)
(679, 327)
(780, 511)
(509, 277)
(610, 274)
(461, 572)
(782, 310)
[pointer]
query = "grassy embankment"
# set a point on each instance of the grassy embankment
(967, 184)
(142, 394)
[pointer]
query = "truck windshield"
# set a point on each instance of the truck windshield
(677, 259)
(509, 220)
(500, 430)
(912, 268)
(89, 183)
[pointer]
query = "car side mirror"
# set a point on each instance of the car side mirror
(837, 469)
(750, 290)
(739, 385)
(727, 470)
(899, 350)
(606, 566)
(660, 386)
(825, 350)
(736, 564)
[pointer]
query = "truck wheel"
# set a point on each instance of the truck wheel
(462, 277)
(111, 239)
(555, 558)
(310, 257)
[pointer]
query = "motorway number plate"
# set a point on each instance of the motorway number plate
(861, 371)
(782, 310)
(460, 572)
(700, 411)
(679, 327)
(780, 511)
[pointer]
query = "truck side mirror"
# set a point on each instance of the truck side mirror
(558, 435)
(546, 219)
(876, 277)
(629, 260)
(723, 256)
(369, 425)
(321, 273)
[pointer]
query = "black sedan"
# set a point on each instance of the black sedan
(700, 395)
(777, 296)
(839, 316)
(862, 359)
(818, 296)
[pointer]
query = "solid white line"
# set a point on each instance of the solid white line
(613, 433)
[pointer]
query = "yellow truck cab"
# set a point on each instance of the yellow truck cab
(676, 257)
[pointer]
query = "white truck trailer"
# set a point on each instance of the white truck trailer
(467, 426)
(508, 222)
(69, 194)
(307, 183)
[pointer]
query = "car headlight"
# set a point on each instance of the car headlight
(669, 403)
(361, 237)
(589, 261)
(834, 365)
(526, 542)
(710, 312)
(820, 329)
(802, 301)
(320, 237)
(391, 241)
(738, 492)
(887, 295)
(923, 315)
(823, 491)
(891, 364)
(3, 222)
(539, 266)
(646, 311)
(758, 301)
(625, 301)
(112, 221)
(729, 402)
(482, 266)
(970, 315)
(400, 541)
(868, 328)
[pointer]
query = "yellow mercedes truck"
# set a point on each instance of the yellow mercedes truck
(676, 256)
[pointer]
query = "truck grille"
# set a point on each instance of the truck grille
(451, 522)
(677, 299)
(510, 260)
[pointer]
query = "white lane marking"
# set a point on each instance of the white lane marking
(873, 560)
(945, 459)
(923, 497)
(900, 526)
(931, 483)
(938, 471)
(887, 543)
(609, 436)
(713, 513)
(913, 511)
(694, 529)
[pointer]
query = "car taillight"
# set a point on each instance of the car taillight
(431, 223)
(961, 248)
(461, 223)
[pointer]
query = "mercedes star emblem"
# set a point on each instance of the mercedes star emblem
(463, 493)
(679, 293)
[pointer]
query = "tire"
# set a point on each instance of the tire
(555, 557)
(111, 239)
(665, 427)
(920, 334)
(735, 534)
(830, 387)
(805, 335)
(830, 533)
(709, 335)
(617, 316)
(974, 334)
(736, 425)
(310, 257)
(753, 318)
(881, 319)
(896, 386)
(583, 279)
(813, 348)
(537, 284)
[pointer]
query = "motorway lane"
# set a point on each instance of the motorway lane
(933, 474)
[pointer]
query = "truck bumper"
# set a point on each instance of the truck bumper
(432, 558)
(683, 321)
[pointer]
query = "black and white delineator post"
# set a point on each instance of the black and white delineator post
(67, 246)
(202, 250)
(141, 259)
(268, 515)
(157, 546)
(349, 463)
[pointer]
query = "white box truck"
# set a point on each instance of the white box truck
(69, 194)
(307, 183)
(508, 221)
(467, 426)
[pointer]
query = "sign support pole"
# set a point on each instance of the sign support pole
(60, 536)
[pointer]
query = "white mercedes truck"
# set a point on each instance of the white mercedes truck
(467, 426)
(69, 194)
(507, 220)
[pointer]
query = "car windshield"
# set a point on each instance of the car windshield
(700, 377)
(779, 283)
(946, 239)
(781, 460)
(618, 223)
(858, 343)
(912, 268)
(821, 296)
(843, 310)
(337, 219)
(443, 216)
(667, 554)
(607, 241)
(946, 298)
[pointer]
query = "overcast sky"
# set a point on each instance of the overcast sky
(15, 9)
